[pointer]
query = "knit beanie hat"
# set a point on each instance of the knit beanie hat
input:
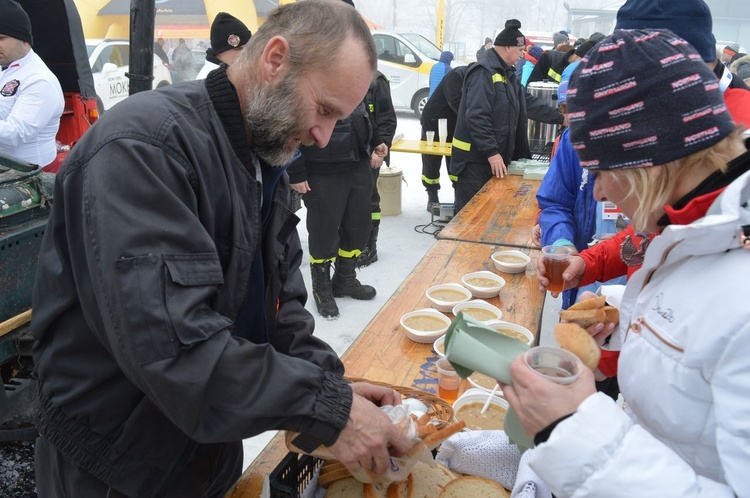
(511, 36)
(536, 52)
(562, 88)
(558, 38)
(688, 19)
(644, 98)
(597, 37)
(584, 48)
(732, 49)
(14, 21)
(487, 40)
(741, 67)
(227, 32)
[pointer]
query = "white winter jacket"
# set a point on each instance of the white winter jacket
(684, 372)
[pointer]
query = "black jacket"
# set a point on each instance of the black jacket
(380, 105)
(445, 101)
(492, 117)
(550, 66)
(144, 267)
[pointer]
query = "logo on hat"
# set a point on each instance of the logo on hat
(233, 41)
(520, 41)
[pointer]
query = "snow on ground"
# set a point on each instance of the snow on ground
(400, 248)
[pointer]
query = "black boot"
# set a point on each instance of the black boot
(370, 253)
(432, 200)
(345, 281)
(322, 292)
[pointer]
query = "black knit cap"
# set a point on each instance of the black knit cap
(584, 48)
(227, 32)
(14, 21)
(511, 36)
(643, 98)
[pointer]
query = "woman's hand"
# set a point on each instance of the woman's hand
(572, 274)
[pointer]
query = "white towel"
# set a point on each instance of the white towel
(482, 453)
(528, 484)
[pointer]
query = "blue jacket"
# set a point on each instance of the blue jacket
(439, 70)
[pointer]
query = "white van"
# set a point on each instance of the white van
(109, 61)
(406, 59)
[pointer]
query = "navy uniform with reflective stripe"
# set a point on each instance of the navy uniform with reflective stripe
(492, 119)
(550, 66)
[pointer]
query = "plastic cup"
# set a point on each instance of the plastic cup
(430, 138)
(448, 380)
(556, 260)
(442, 131)
(554, 364)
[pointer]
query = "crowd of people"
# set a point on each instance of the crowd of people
(169, 317)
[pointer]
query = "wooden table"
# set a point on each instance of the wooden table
(383, 353)
(421, 147)
(502, 213)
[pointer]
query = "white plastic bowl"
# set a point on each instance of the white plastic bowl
(510, 267)
(496, 313)
(481, 291)
(487, 388)
(421, 335)
(447, 305)
(478, 396)
(439, 346)
(499, 324)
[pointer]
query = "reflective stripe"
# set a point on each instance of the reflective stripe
(316, 261)
(371, 107)
(431, 181)
(453, 178)
(555, 76)
(498, 78)
(460, 144)
(350, 254)
(375, 216)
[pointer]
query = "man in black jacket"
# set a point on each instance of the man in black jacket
(552, 63)
(169, 309)
(492, 118)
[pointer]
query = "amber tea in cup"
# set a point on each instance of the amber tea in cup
(556, 260)
(448, 381)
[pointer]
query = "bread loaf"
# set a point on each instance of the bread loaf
(572, 337)
(589, 304)
(584, 318)
(474, 487)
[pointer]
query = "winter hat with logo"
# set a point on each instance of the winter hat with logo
(644, 98)
(14, 21)
(228, 32)
(562, 88)
(689, 19)
(732, 49)
(511, 36)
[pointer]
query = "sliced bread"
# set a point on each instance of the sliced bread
(474, 487)
(429, 481)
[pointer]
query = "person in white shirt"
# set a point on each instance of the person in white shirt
(31, 100)
(228, 36)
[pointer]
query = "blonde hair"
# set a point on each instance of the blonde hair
(653, 187)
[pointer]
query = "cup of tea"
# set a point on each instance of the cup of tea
(556, 260)
(430, 138)
(554, 364)
(448, 381)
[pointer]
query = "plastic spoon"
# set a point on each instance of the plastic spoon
(489, 399)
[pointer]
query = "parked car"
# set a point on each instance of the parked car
(109, 61)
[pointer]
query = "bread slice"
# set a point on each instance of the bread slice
(400, 489)
(346, 488)
(613, 315)
(589, 304)
(584, 318)
(572, 337)
(429, 481)
(474, 487)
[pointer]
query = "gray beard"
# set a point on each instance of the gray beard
(273, 116)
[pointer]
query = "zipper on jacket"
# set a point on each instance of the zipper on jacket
(641, 322)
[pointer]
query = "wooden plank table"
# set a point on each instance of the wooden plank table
(421, 147)
(501, 213)
(383, 353)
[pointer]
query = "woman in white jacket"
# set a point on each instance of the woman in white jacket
(648, 120)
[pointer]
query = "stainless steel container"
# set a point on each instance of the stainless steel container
(542, 135)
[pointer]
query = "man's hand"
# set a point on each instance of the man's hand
(498, 166)
(538, 401)
(381, 150)
(302, 187)
(536, 235)
(376, 160)
(572, 274)
(368, 437)
(380, 395)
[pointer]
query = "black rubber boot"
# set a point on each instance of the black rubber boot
(345, 281)
(322, 291)
(370, 253)
(432, 199)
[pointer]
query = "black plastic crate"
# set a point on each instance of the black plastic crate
(290, 478)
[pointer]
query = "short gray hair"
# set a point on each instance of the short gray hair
(315, 30)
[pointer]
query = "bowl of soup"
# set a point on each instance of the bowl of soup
(469, 405)
(439, 346)
(445, 296)
(483, 284)
(483, 382)
(511, 261)
(479, 310)
(512, 330)
(425, 325)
